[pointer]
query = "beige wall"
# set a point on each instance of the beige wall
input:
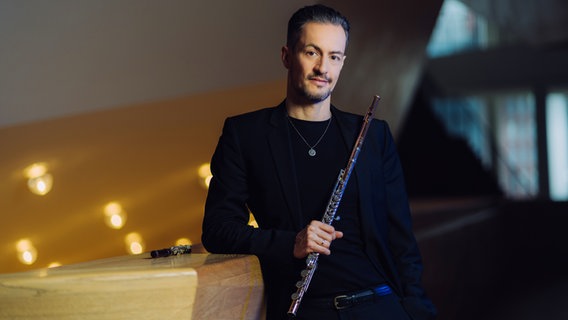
(145, 157)
(125, 100)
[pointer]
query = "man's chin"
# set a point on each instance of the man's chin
(316, 97)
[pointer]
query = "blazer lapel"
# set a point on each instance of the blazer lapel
(279, 141)
(350, 127)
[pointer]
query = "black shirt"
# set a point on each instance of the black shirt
(348, 268)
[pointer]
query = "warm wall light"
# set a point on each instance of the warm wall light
(134, 243)
(27, 253)
(183, 242)
(40, 181)
(204, 173)
(115, 216)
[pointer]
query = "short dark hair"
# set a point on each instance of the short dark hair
(315, 13)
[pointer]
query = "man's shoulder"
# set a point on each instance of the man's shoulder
(261, 115)
(254, 114)
(357, 119)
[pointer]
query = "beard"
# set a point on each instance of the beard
(311, 95)
(314, 97)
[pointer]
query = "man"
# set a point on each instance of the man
(282, 163)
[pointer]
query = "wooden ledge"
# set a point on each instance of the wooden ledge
(189, 286)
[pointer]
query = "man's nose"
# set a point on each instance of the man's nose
(322, 65)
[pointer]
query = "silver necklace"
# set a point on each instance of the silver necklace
(312, 150)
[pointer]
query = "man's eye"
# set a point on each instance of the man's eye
(311, 53)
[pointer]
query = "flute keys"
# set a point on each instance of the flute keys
(299, 284)
(295, 296)
(311, 260)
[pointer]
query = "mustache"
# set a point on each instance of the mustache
(314, 76)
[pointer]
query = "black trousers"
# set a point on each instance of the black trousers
(381, 308)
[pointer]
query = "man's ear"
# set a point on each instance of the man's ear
(285, 56)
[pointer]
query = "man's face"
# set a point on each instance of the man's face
(315, 62)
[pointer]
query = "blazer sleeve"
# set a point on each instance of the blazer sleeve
(402, 242)
(225, 226)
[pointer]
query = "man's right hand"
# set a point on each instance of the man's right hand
(315, 237)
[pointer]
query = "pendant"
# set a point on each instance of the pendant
(312, 152)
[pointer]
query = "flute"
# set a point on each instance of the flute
(175, 250)
(331, 210)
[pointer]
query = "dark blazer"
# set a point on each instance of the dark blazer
(253, 169)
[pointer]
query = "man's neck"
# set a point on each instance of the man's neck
(320, 111)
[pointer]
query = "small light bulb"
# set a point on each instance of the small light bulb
(204, 170)
(41, 185)
(113, 208)
(204, 173)
(40, 181)
(28, 257)
(136, 248)
(207, 180)
(27, 253)
(116, 221)
(36, 170)
(115, 216)
(183, 242)
(134, 243)
(24, 245)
